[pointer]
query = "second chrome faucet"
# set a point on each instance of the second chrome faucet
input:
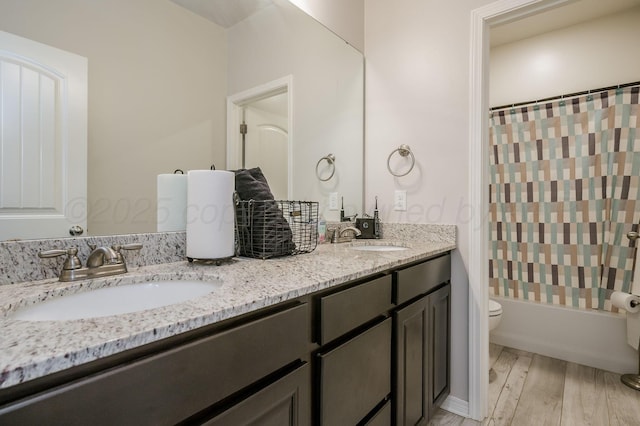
(338, 235)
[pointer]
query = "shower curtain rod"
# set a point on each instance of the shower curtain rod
(569, 95)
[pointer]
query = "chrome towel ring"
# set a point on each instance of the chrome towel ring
(331, 160)
(404, 151)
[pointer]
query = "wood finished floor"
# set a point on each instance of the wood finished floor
(529, 389)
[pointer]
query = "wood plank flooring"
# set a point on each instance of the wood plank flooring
(529, 389)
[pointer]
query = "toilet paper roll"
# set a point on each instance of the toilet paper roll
(626, 301)
(210, 214)
(633, 330)
(172, 202)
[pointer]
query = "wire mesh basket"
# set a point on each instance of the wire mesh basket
(274, 228)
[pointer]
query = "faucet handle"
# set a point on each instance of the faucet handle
(333, 234)
(71, 262)
(119, 247)
(52, 253)
(132, 246)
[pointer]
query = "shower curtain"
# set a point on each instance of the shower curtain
(564, 191)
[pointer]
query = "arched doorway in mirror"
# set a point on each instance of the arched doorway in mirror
(259, 134)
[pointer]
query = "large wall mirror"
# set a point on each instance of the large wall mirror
(159, 76)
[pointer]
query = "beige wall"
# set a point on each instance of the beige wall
(417, 93)
(595, 54)
(157, 88)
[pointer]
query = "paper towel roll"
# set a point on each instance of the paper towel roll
(626, 301)
(210, 214)
(172, 202)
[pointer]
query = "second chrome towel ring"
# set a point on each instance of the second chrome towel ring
(331, 160)
(404, 151)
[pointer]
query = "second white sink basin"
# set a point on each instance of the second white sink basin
(115, 300)
(379, 248)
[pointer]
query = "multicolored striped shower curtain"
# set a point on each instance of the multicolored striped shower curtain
(565, 190)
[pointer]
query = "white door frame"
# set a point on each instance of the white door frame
(481, 20)
(234, 119)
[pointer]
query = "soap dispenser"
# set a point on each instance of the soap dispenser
(322, 229)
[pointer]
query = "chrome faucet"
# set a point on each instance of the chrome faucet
(102, 262)
(338, 235)
(101, 256)
(356, 231)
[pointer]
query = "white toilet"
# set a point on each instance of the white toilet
(495, 314)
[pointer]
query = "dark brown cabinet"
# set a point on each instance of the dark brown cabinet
(440, 347)
(353, 365)
(283, 403)
(421, 278)
(422, 342)
(373, 352)
(355, 377)
(382, 416)
(176, 383)
(411, 325)
(342, 311)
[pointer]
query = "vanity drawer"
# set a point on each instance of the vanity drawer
(419, 279)
(172, 385)
(285, 402)
(355, 377)
(347, 309)
(382, 417)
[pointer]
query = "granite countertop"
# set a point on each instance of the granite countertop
(29, 350)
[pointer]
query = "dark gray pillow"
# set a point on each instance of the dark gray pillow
(266, 233)
(252, 185)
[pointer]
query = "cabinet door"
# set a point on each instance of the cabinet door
(439, 346)
(412, 333)
(285, 402)
(355, 377)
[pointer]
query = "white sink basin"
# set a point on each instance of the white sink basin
(116, 300)
(379, 248)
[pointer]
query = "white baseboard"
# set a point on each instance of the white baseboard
(592, 338)
(456, 406)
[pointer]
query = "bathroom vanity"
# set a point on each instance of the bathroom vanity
(364, 342)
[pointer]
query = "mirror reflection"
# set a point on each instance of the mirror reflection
(159, 75)
(264, 141)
